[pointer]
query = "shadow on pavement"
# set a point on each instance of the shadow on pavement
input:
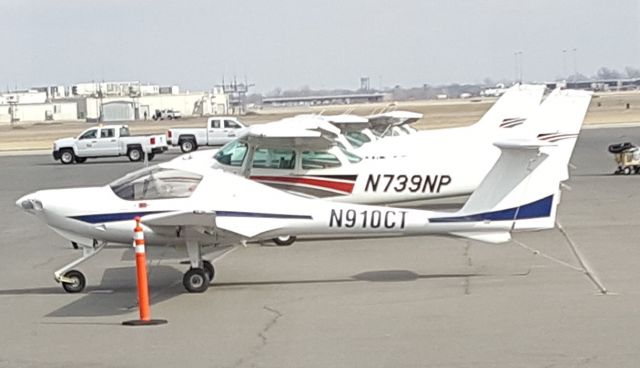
(371, 276)
(115, 294)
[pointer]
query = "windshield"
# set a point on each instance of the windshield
(357, 139)
(156, 183)
(232, 153)
(352, 157)
(124, 132)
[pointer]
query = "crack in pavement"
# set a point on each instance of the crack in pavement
(467, 280)
(262, 334)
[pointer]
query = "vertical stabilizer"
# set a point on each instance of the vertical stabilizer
(523, 185)
(513, 107)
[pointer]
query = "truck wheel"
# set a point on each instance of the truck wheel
(187, 146)
(135, 154)
(626, 170)
(67, 156)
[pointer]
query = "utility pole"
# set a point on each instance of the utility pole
(564, 64)
(575, 62)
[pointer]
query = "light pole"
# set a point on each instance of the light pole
(575, 62)
(564, 64)
(518, 65)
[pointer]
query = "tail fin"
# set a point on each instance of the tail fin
(523, 187)
(559, 120)
(513, 107)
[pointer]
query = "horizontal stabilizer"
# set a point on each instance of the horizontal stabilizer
(496, 237)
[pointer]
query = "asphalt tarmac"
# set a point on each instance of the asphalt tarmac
(413, 302)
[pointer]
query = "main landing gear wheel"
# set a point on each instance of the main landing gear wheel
(196, 280)
(283, 241)
(208, 269)
(77, 284)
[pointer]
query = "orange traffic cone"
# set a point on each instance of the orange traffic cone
(143, 286)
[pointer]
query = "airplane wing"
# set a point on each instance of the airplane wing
(348, 122)
(394, 118)
(241, 225)
(303, 131)
(204, 219)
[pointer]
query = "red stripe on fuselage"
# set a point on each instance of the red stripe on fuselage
(340, 186)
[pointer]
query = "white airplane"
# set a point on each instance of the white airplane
(303, 156)
(198, 209)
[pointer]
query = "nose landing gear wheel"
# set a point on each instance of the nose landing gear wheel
(77, 284)
(208, 269)
(196, 280)
(284, 241)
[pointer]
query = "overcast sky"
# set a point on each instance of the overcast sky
(320, 44)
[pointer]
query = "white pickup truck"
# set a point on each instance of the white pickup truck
(219, 131)
(108, 141)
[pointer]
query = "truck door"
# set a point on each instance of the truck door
(215, 133)
(107, 143)
(231, 129)
(86, 143)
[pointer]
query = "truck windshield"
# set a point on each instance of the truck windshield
(156, 183)
(124, 132)
(232, 153)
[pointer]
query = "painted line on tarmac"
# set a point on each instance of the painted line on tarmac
(611, 125)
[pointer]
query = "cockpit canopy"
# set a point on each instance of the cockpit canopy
(156, 183)
(234, 154)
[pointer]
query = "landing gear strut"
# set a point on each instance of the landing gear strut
(201, 273)
(73, 281)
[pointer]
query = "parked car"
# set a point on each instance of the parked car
(108, 141)
(166, 114)
(219, 131)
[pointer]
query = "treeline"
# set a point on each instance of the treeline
(427, 91)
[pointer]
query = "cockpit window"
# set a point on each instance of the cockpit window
(156, 183)
(232, 153)
(269, 158)
(357, 139)
(352, 157)
(319, 160)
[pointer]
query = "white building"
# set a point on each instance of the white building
(127, 88)
(107, 101)
(33, 112)
(30, 96)
(123, 108)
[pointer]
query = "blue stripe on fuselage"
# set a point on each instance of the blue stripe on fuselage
(261, 215)
(124, 216)
(537, 209)
(111, 217)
